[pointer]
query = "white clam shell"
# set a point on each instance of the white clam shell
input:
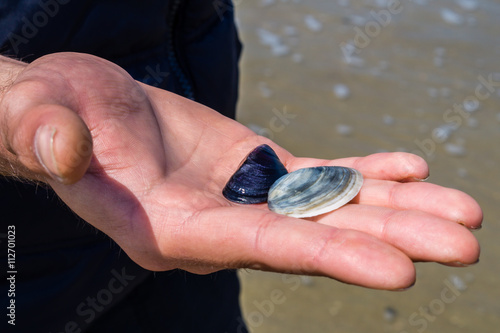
(314, 191)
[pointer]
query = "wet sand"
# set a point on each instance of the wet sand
(344, 78)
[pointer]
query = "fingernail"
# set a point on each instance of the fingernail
(405, 288)
(461, 264)
(44, 150)
(420, 179)
(470, 228)
(424, 179)
(476, 228)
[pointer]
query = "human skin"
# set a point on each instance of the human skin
(147, 167)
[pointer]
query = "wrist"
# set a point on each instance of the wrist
(9, 70)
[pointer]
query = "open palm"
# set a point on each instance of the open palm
(157, 164)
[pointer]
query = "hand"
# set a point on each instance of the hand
(147, 167)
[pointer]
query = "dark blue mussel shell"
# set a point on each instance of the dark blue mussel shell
(251, 182)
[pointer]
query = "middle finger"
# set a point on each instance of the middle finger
(447, 203)
(421, 236)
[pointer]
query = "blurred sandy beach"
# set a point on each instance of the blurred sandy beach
(344, 78)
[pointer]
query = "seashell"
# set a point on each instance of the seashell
(251, 182)
(314, 191)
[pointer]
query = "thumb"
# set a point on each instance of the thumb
(48, 139)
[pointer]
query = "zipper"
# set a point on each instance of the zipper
(186, 86)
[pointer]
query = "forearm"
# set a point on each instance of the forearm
(9, 165)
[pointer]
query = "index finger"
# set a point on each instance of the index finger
(397, 166)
